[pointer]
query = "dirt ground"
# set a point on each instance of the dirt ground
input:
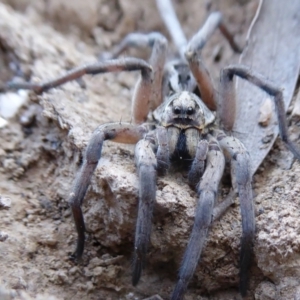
(42, 146)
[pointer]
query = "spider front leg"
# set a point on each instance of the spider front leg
(121, 133)
(241, 175)
(208, 189)
(146, 165)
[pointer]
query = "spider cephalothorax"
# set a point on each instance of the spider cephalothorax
(184, 110)
(184, 128)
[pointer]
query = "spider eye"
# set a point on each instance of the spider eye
(190, 111)
(177, 110)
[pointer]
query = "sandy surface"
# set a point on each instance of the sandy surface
(41, 150)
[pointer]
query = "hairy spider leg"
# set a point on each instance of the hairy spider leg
(152, 156)
(228, 99)
(143, 89)
(120, 133)
(198, 165)
(146, 164)
(241, 178)
(213, 22)
(163, 150)
(168, 15)
(207, 190)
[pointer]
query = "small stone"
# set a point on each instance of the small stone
(98, 271)
(94, 262)
(5, 202)
(31, 247)
(73, 271)
(11, 102)
(3, 236)
(49, 240)
(87, 272)
(60, 277)
(90, 286)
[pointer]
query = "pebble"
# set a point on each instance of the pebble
(3, 236)
(5, 203)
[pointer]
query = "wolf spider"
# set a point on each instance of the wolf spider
(184, 127)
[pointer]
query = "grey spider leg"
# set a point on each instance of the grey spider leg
(214, 21)
(170, 19)
(125, 133)
(207, 190)
(222, 207)
(241, 176)
(121, 133)
(198, 165)
(228, 101)
(163, 151)
(146, 165)
(143, 90)
(117, 65)
(239, 156)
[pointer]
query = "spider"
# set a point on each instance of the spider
(188, 124)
